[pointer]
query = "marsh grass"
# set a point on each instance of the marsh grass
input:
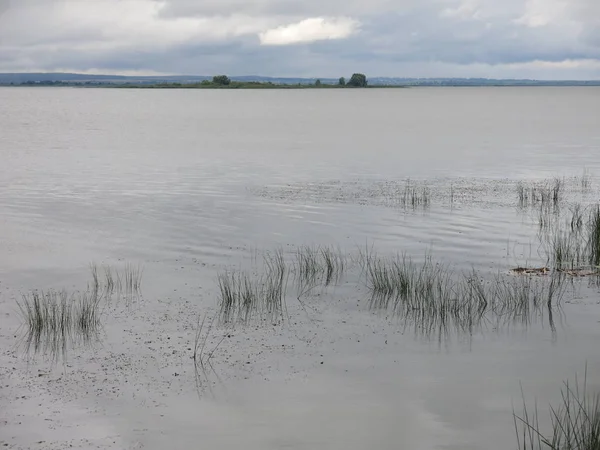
(415, 196)
(593, 239)
(431, 297)
(584, 181)
(546, 193)
(202, 354)
(54, 321)
(567, 250)
(548, 218)
(308, 265)
(575, 245)
(243, 297)
(575, 422)
(318, 265)
(334, 264)
(123, 281)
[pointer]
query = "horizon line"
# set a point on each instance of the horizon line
(298, 77)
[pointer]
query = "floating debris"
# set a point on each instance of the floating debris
(580, 272)
(531, 270)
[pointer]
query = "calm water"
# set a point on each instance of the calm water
(192, 182)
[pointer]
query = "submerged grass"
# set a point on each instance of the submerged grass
(55, 320)
(575, 423)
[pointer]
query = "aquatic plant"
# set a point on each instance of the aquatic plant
(126, 280)
(316, 265)
(415, 196)
(308, 264)
(593, 240)
(243, 297)
(54, 320)
(334, 263)
(546, 193)
(575, 423)
(432, 298)
(202, 355)
(576, 244)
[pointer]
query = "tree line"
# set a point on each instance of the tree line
(356, 80)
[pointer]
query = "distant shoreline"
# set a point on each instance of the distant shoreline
(261, 82)
(260, 86)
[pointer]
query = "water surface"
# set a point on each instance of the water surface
(190, 183)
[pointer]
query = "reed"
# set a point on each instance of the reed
(577, 243)
(546, 193)
(574, 423)
(202, 355)
(431, 297)
(315, 265)
(414, 196)
(125, 281)
(55, 320)
(593, 240)
(243, 297)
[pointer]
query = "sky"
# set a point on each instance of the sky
(541, 39)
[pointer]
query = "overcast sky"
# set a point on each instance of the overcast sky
(545, 39)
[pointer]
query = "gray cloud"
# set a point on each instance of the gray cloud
(541, 38)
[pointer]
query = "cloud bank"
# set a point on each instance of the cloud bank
(309, 30)
(327, 38)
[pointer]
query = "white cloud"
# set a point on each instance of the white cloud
(545, 38)
(467, 9)
(106, 24)
(540, 13)
(310, 30)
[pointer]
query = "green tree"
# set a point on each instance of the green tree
(342, 81)
(358, 80)
(222, 80)
(318, 83)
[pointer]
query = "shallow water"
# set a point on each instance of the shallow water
(190, 183)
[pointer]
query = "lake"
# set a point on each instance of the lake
(192, 185)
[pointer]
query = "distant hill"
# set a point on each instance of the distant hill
(74, 78)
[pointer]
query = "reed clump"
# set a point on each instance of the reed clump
(433, 298)
(545, 193)
(318, 264)
(243, 297)
(576, 245)
(108, 280)
(574, 423)
(414, 196)
(55, 320)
